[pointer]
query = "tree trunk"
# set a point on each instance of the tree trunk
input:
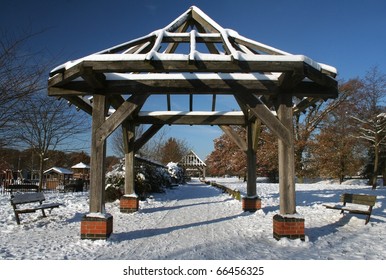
(41, 166)
(376, 160)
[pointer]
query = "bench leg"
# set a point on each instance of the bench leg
(44, 213)
(17, 218)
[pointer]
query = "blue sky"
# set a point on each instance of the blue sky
(347, 34)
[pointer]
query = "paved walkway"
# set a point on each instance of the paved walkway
(186, 222)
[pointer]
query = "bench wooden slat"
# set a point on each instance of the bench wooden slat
(27, 198)
(334, 206)
(350, 202)
(27, 210)
(48, 205)
(358, 199)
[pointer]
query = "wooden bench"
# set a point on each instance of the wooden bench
(21, 188)
(355, 204)
(29, 198)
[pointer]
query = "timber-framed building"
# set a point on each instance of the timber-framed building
(269, 85)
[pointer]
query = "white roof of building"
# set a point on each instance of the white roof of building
(81, 165)
(59, 170)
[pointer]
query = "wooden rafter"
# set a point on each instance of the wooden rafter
(235, 137)
(145, 137)
(124, 112)
(261, 111)
(191, 118)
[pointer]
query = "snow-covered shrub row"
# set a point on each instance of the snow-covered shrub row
(148, 179)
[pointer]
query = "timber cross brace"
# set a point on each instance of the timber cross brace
(263, 81)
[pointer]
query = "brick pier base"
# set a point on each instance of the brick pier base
(290, 227)
(129, 204)
(251, 204)
(96, 226)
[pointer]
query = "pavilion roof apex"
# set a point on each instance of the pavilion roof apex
(207, 41)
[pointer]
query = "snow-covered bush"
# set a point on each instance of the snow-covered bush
(148, 179)
(176, 172)
(115, 182)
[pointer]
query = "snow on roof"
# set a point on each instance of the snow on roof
(81, 165)
(59, 170)
(132, 50)
(192, 76)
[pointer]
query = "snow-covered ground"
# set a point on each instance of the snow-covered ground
(199, 222)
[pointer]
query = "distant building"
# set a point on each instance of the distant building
(81, 171)
(193, 165)
(57, 176)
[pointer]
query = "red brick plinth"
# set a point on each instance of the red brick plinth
(251, 204)
(129, 204)
(290, 227)
(96, 226)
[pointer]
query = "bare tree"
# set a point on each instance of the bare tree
(373, 93)
(117, 143)
(20, 77)
(372, 117)
(150, 150)
(374, 131)
(44, 124)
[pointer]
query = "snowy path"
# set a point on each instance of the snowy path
(183, 226)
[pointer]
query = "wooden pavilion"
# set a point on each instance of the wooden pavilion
(193, 165)
(193, 55)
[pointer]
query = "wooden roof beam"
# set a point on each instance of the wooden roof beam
(241, 143)
(177, 83)
(146, 136)
(80, 103)
(94, 79)
(166, 62)
(190, 118)
(124, 112)
(261, 111)
(171, 48)
(288, 80)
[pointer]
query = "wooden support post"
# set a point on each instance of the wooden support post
(251, 163)
(286, 158)
(251, 202)
(129, 129)
(256, 134)
(98, 155)
(97, 224)
(287, 224)
(129, 203)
